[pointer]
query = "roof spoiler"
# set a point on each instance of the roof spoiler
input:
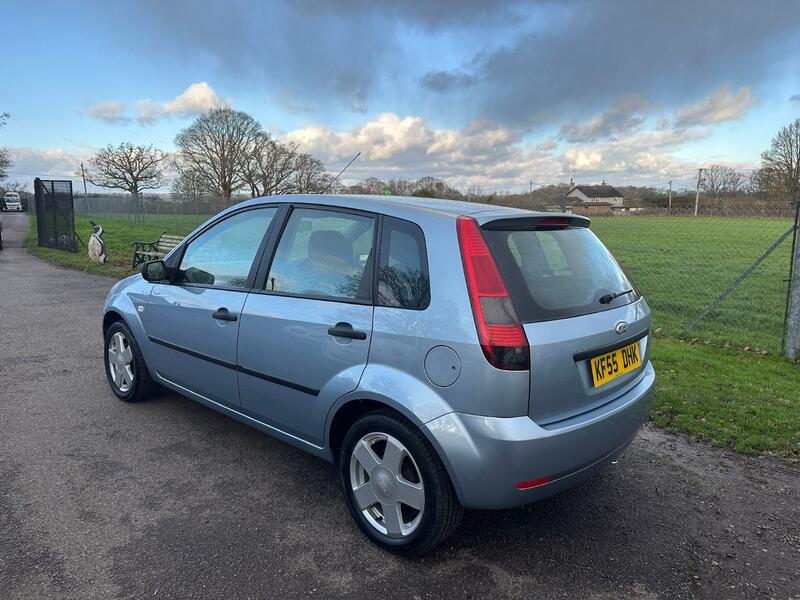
(559, 221)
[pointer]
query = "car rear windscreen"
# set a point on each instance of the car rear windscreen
(555, 273)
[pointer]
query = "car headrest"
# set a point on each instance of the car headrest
(322, 244)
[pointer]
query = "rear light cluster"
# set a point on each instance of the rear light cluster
(500, 333)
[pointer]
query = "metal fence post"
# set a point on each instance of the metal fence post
(792, 327)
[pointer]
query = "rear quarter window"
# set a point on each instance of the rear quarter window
(403, 280)
(557, 273)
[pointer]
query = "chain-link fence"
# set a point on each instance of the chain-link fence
(714, 270)
(683, 263)
(174, 213)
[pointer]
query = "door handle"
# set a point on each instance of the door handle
(222, 314)
(346, 330)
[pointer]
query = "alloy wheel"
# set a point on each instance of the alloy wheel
(387, 485)
(120, 362)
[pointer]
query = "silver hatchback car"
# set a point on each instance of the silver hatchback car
(444, 355)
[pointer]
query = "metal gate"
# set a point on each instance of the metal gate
(55, 214)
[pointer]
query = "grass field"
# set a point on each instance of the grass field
(707, 386)
(118, 236)
(682, 263)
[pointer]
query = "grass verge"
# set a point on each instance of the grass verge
(118, 236)
(744, 401)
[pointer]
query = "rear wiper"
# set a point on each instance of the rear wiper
(609, 297)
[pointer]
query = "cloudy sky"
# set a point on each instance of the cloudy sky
(479, 92)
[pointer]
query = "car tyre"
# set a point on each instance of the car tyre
(419, 478)
(126, 371)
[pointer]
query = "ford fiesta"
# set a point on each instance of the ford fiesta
(444, 355)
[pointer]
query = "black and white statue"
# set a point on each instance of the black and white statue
(97, 247)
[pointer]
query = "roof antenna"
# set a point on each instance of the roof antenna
(340, 172)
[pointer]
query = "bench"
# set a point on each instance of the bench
(144, 251)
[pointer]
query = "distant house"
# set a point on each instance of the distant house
(603, 194)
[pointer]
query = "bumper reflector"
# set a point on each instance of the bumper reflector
(526, 485)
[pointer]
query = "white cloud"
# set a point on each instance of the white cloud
(110, 111)
(493, 156)
(197, 98)
(147, 111)
(45, 163)
(394, 146)
(642, 157)
(722, 105)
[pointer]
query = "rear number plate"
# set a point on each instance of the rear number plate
(610, 366)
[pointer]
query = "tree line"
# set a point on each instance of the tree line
(222, 153)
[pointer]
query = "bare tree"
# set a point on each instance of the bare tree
(277, 166)
(127, 167)
(218, 147)
(763, 183)
(5, 155)
(719, 180)
(14, 186)
(5, 162)
(188, 184)
(782, 158)
(309, 176)
(271, 167)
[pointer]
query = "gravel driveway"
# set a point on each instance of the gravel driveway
(101, 499)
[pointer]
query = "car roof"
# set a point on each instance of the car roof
(404, 206)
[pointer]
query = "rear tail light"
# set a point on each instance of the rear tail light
(500, 333)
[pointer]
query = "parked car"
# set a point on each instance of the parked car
(444, 355)
(11, 201)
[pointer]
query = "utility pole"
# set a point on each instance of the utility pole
(670, 195)
(83, 174)
(530, 191)
(792, 325)
(697, 194)
(85, 195)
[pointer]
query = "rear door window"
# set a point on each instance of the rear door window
(558, 273)
(403, 280)
(324, 254)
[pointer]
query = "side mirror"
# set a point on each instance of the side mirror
(156, 270)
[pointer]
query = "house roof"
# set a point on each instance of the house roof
(597, 191)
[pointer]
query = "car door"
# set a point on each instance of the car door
(193, 321)
(305, 336)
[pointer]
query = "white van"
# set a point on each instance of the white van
(11, 201)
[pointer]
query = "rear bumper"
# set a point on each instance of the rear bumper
(487, 456)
